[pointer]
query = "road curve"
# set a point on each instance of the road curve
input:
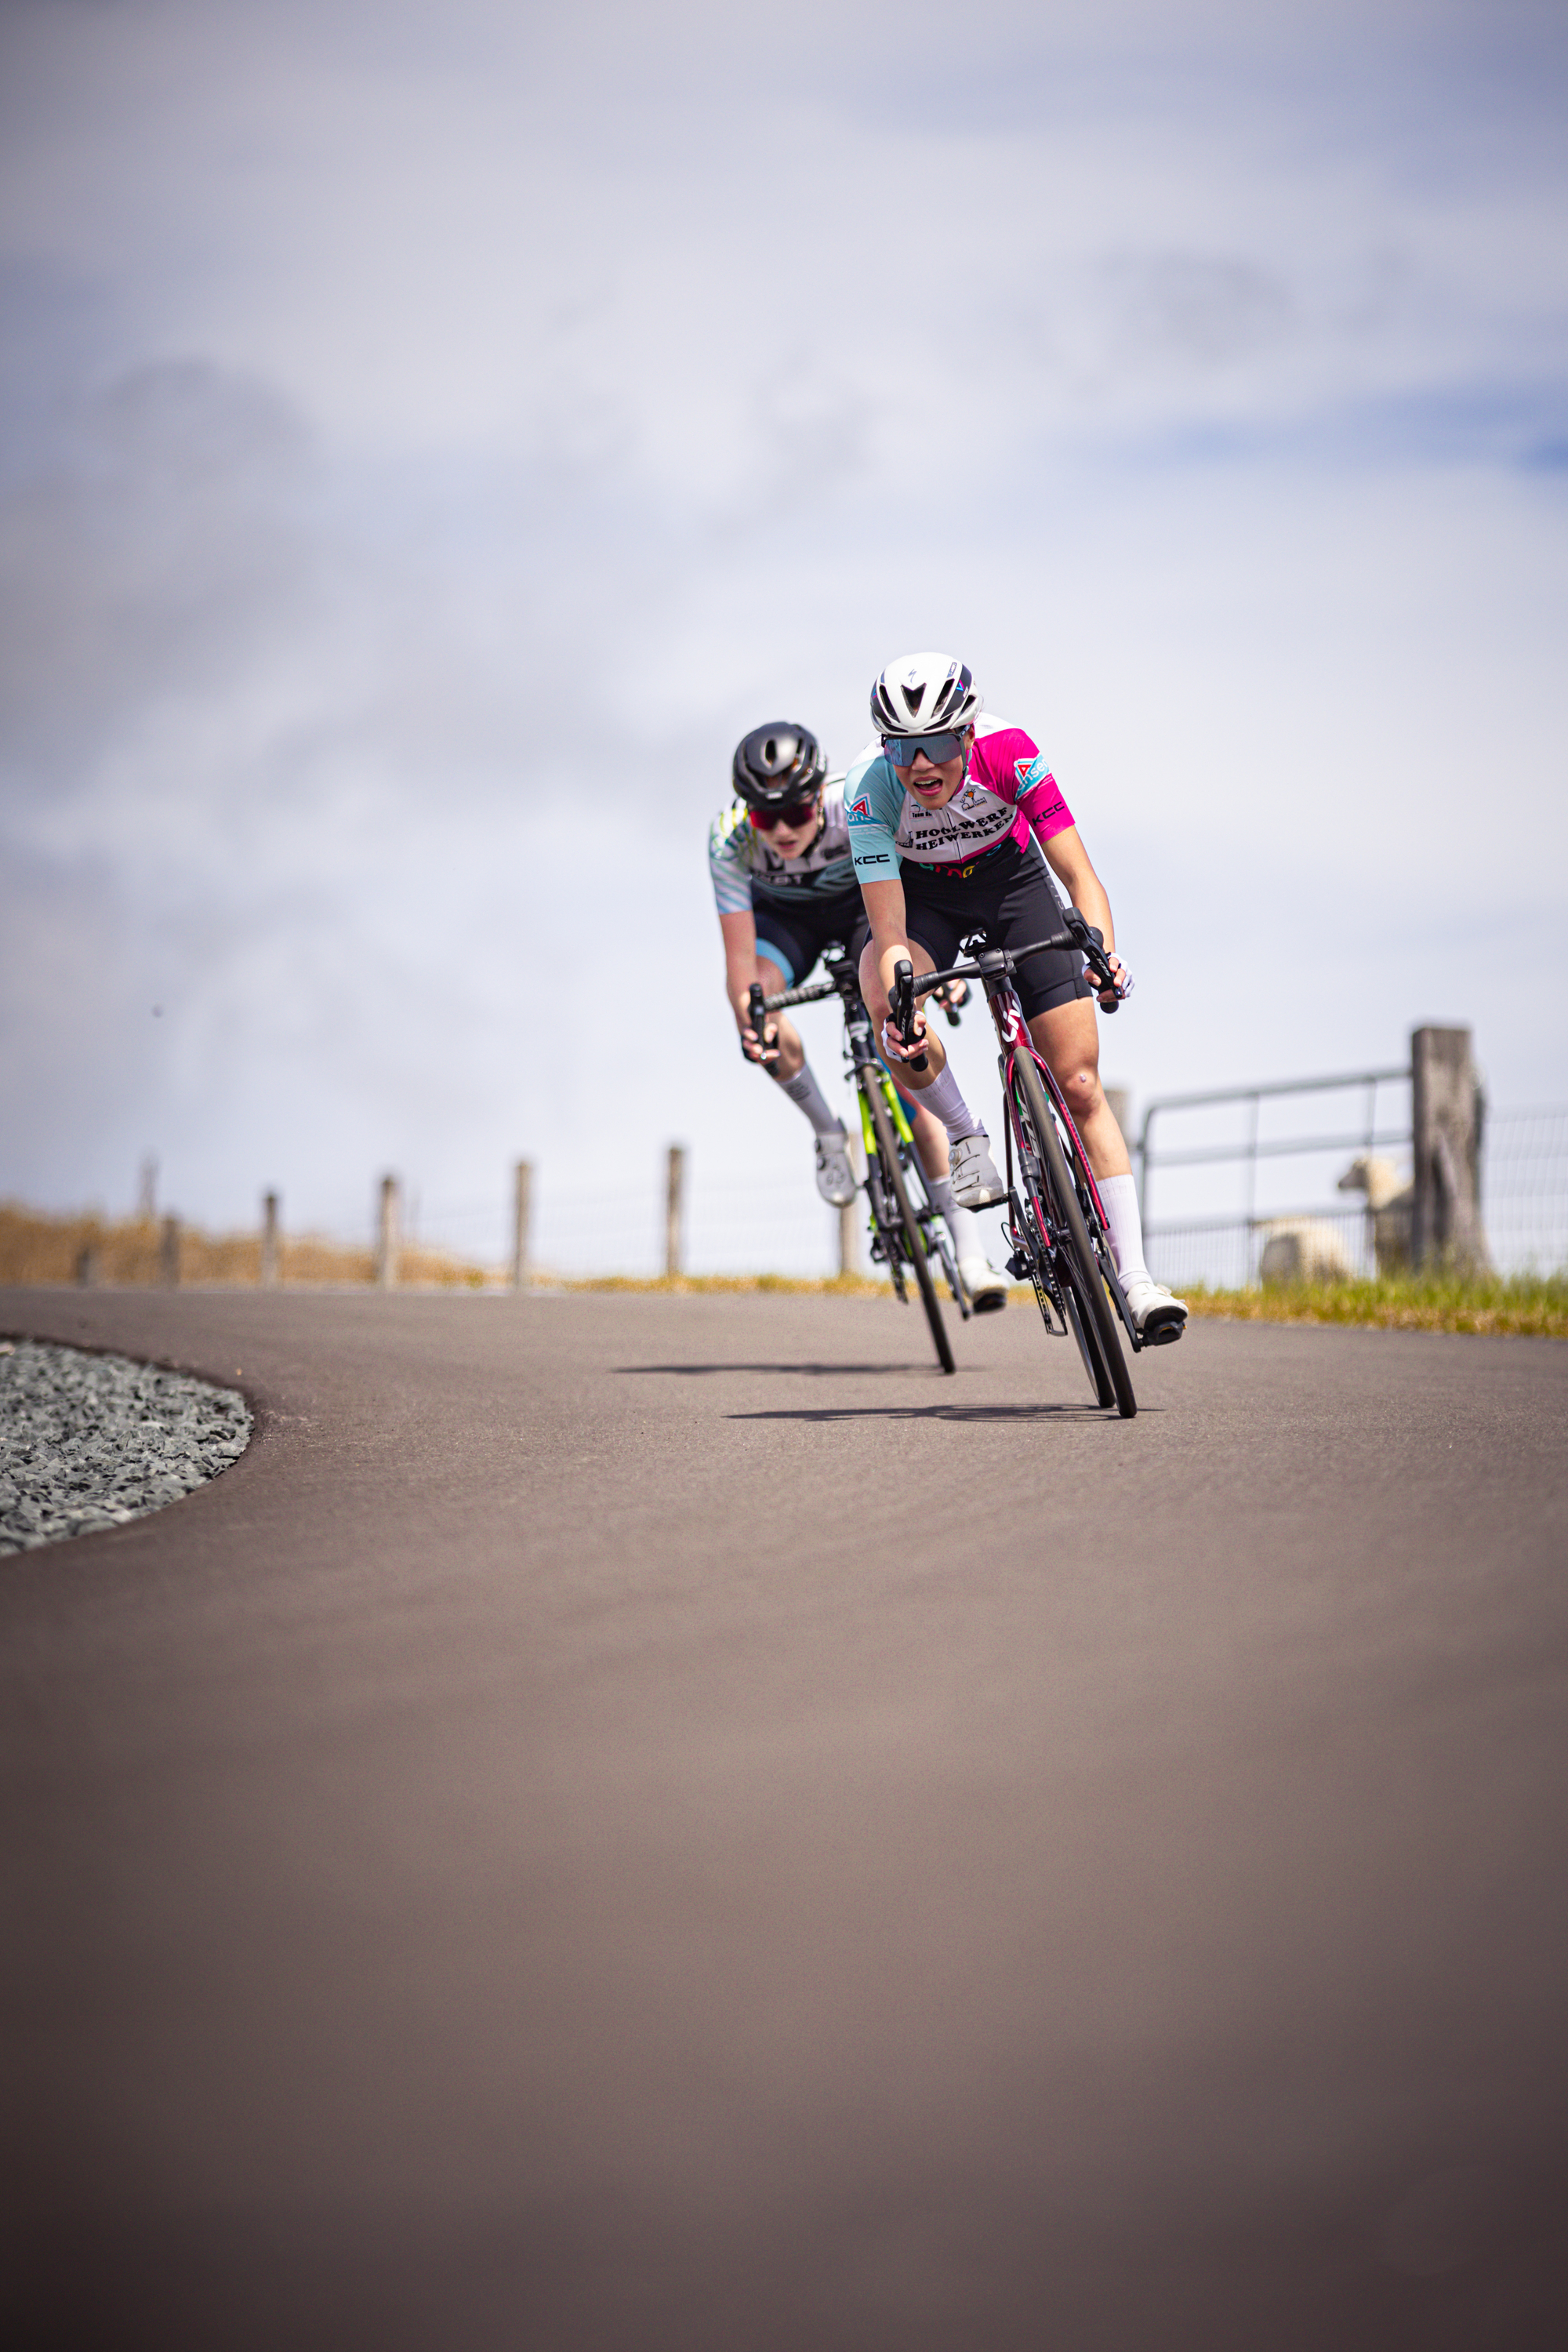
(634, 1821)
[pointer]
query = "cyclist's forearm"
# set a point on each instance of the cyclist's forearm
(886, 913)
(740, 933)
(1069, 861)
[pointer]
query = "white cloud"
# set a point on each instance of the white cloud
(435, 435)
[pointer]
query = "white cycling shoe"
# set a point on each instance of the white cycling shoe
(973, 1174)
(1158, 1316)
(987, 1289)
(835, 1176)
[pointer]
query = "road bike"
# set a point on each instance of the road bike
(1057, 1226)
(909, 1234)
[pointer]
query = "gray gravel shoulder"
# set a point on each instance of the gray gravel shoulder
(88, 1442)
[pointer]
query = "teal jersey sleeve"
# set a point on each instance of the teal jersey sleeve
(873, 803)
(730, 840)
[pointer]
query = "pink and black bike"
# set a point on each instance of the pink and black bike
(1056, 1225)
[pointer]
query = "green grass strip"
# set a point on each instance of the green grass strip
(1531, 1306)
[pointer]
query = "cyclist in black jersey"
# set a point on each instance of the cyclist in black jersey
(784, 881)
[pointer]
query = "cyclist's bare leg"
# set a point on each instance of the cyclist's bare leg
(1069, 1040)
(930, 1136)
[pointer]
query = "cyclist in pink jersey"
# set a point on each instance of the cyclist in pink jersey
(957, 826)
(784, 885)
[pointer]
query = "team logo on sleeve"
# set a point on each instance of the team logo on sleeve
(1036, 771)
(862, 807)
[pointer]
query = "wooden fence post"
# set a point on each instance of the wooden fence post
(387, 1235)
(849, 1215)
(169, 1253)
(268, 1240)
(521, 1209)
(1447, 1113)
(674, 1209)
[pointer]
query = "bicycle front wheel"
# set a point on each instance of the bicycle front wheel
(913, 1238)
(1081, 1276)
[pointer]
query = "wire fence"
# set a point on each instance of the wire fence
(734, 1221)
(1524, 1207)
(772, 1221)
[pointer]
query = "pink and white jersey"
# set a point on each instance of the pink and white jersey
(1009, 792)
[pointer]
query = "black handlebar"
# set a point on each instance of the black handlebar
(1078, 933)
(757, 1014)
(902, 1004)
(1084, 936)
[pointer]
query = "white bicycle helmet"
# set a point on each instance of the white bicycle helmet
(922, 694)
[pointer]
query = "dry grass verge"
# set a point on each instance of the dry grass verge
(834, 1285)
(35, 1249)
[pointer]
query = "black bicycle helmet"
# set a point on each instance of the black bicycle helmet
(776, 764)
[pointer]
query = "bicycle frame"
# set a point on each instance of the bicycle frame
(994, 969)
(861, 1050)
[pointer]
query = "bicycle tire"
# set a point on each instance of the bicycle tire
(893, 1178)
(1035, 1211)
(1078, 1254)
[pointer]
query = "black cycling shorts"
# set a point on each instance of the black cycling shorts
(795, 935)
(1011, 898)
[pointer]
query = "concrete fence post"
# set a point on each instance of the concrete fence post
(521, 1211)
(387, 1235)
(268, 1240)
(674, 1211)
(86, 1265)
(1448, 1111)
(1121, 1101)
(169, 1253)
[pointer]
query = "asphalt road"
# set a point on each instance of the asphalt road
(630, 1821)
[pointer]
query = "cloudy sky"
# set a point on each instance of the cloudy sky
(432, 435)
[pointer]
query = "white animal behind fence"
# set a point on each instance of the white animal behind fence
(1303, 1249)
(1390, 1198)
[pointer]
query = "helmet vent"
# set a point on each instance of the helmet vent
(914, 696)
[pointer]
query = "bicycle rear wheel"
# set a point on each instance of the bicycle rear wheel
(1081, 1278)
(913, 1236)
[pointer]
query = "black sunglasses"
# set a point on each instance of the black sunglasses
(797, 812)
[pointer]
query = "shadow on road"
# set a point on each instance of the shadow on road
(935, 1413)
(855, 1372)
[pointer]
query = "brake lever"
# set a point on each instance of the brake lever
(902, 1007)
(1091, 940)
(757, 1012)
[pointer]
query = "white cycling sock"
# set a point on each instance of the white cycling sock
(804, 1089)
(1120, 1194)
(962, 1224)
(943, 1097)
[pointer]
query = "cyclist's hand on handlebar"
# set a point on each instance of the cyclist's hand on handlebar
(903, 1049)
(759, 1034)
(950, 998)
(1120, 987)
